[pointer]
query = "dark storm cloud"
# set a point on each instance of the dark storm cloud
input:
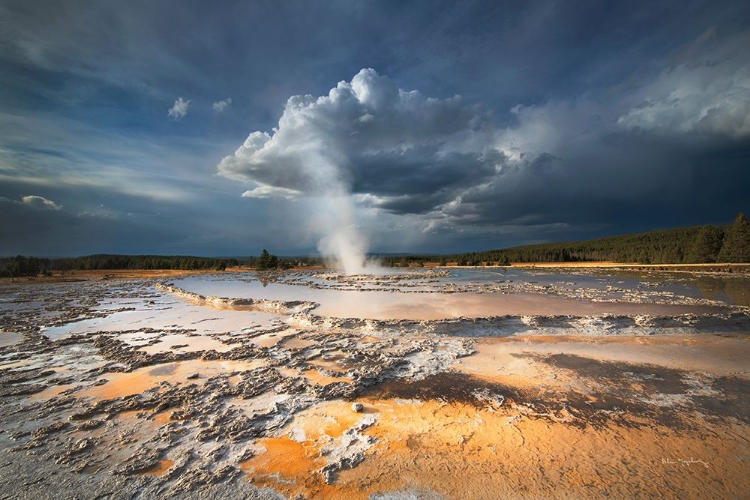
(420, 170)
(574, 162)
(572, 121)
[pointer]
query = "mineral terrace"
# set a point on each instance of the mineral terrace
(440, 388)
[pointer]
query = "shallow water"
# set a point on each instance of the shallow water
(9, 338)
(118, 385)
(163, 314)
(138, 379)
(465, 293)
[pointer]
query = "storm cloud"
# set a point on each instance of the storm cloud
(561, 163)
(376, 138)
(481, 125)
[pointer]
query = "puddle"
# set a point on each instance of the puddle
(298, 343)
(126, 384)
(331, 364)
(700, 353)
(185, 343)
(52, 392)
(10, 338)
(159, 469)
(271, 339)
(163, 417)
(319, 378)
(282, 462)
(166, 316)
(435, 306)
(138, 338)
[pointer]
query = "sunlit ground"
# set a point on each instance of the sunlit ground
(427, 384)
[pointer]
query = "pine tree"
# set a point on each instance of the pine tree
(266, 261)
(736, 246)
(706, 246)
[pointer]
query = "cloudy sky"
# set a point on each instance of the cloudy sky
(184, 127)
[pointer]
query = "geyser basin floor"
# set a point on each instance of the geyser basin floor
(469, 294)
(122, 389)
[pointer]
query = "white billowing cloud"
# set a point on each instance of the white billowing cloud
(365, 136)
(221, 106)
(179, 109)
(263, 191)
(40, 202)
(548, 127)
(357, 134)
(721, 106)
(706, 93)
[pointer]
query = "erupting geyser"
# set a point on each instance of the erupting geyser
(341, 241)
(342, 244)
(366, 138)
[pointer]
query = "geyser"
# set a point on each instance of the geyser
(369, 137)
(342, 243)
(340, 240)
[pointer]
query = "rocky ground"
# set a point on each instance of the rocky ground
(140, 389)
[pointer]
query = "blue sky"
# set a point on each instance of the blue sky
(187, 128)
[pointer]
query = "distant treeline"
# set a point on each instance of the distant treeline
(32, 266)
(688, 245)
(267, 261)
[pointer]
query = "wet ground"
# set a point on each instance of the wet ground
(434, 384)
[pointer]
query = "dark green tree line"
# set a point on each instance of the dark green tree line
(686, 245)
(30, 266)
(736, 247)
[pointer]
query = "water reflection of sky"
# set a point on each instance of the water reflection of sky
(379, 299)
(729, 289)
(162, 314)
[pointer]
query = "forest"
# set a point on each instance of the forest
(686, 245)
(31, 266)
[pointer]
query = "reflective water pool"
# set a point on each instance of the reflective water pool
(425, 295)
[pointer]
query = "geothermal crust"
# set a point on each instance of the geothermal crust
(142, 388)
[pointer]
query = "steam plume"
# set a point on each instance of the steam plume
(341, 242)
(365, 133)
